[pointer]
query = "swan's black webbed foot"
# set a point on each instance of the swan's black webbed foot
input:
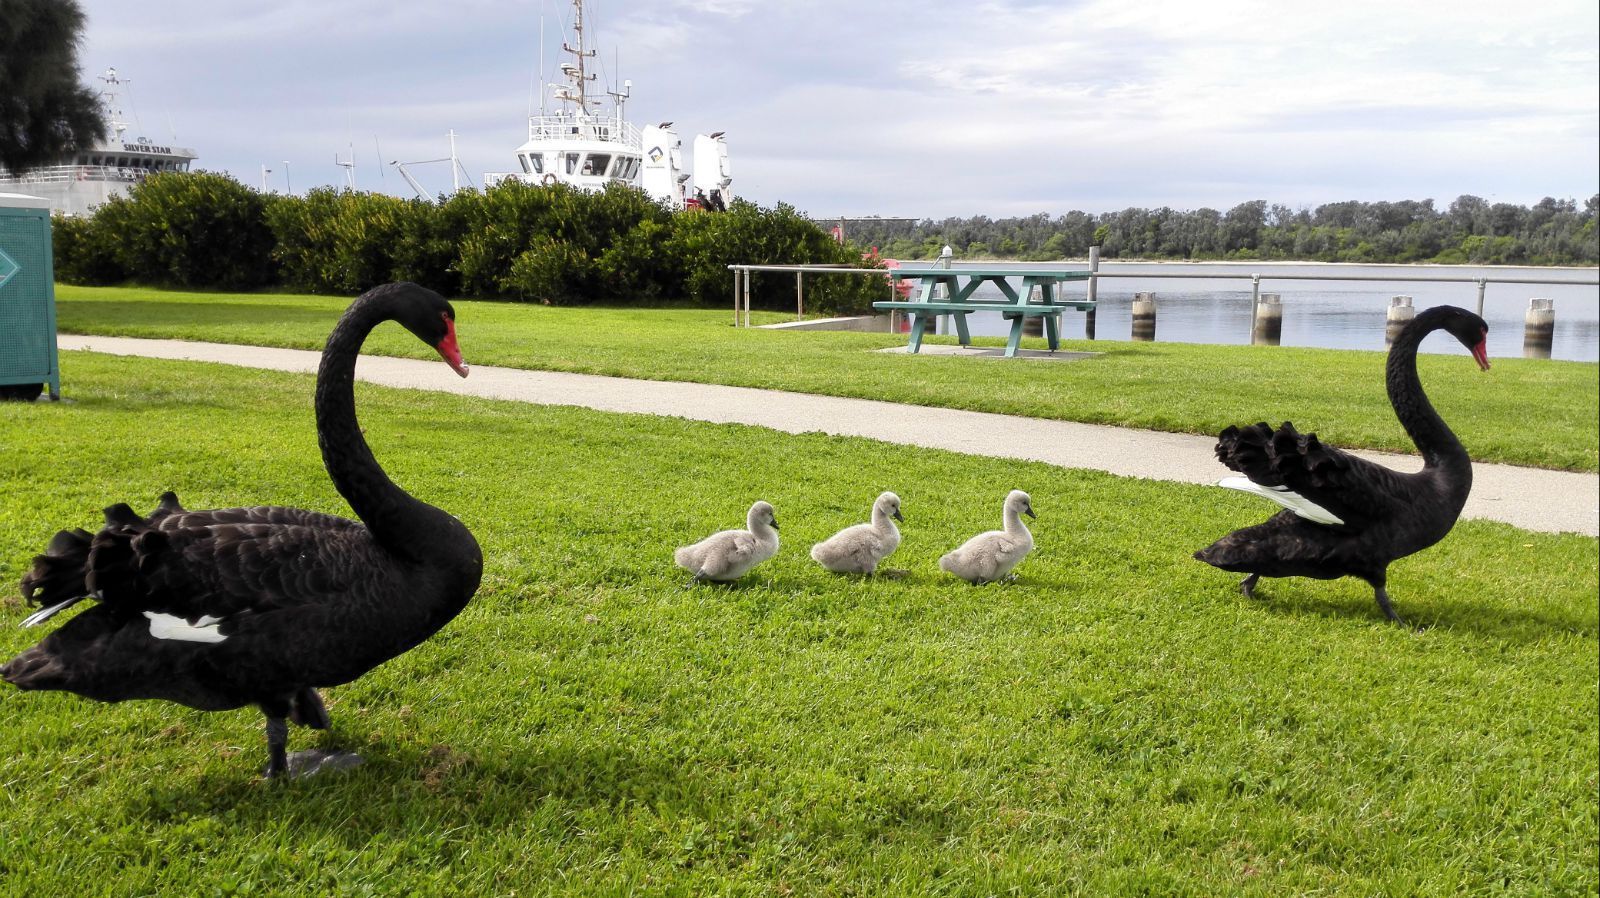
(277, 743)
(1248, 586)
(282, 765)
(1382, 596)
(313, 761)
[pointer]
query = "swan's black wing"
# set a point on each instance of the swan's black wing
(1358, 491)
(221, 563)
(199, 563)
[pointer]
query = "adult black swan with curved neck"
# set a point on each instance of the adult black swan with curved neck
(262, 606)
(1343, 515)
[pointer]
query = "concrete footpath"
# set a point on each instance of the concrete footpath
(1535, 499)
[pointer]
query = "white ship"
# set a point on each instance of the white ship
(587, 145)
(109, 167)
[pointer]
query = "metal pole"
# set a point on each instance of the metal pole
(1481, 283)
(747, 297)
(1255, 299)
(735, 295)
(799, 296)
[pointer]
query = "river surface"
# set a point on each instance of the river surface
(1325, 313)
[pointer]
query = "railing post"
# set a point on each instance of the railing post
(1482, 282)
(736, 274)
(799, 296)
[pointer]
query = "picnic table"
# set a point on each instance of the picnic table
(961, 285)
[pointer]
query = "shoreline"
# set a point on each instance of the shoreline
(1285, 262)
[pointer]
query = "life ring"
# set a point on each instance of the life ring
(548, 179)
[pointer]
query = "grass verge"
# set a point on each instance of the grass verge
(1530, 412)
(1120, 721)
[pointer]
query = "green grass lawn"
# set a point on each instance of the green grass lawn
(1524, 411)
(1120, 721)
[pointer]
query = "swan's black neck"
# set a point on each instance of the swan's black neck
(399, 523)
(1438, 444)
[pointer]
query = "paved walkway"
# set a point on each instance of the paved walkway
(1531, 498)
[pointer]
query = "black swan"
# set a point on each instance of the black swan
(221, 609)
(1346, 516)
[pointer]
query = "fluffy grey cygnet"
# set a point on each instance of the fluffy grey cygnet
(991, 556)
(858, 549)
(730, 554)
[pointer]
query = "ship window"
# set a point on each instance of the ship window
(596, 163)
(572, 163)
(538, 162)
(523, 158)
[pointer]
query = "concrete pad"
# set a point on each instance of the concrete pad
(994, 352)
(1531, 498)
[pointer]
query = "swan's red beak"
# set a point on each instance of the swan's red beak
(1481, 354)
(450, 350)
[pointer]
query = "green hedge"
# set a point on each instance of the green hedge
(513, 241)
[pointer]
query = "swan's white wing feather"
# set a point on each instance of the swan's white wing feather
(1284, 496)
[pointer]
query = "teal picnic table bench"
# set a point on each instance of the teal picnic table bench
(959, 300)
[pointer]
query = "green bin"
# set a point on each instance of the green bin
(28, 359)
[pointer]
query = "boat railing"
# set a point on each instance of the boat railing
(569, 127)
(62, 174)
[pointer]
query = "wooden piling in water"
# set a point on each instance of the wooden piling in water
(1400, 315)
(1268, 328)
(1033, 325)
(1539, 328)
(1144, 316)
(1092, 293)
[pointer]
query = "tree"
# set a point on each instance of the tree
(44, 111)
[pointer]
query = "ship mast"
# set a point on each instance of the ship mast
(112, 103)
(577, 74)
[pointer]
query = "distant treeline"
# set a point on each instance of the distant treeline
(514, 241)
(1471, 230)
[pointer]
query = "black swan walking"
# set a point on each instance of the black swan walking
(264, 605)
(1343, 515)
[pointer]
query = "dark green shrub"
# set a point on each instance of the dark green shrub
(547, 272)
(529, 242)
(337, 241)
(82, 253)
(429, 240)
(190, 229)
(640, 265)
(706, 243)
(501, 224)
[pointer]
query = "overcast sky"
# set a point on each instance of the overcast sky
(926, 109)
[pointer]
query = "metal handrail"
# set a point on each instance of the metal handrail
(1351, 277)
(742, 272)
(1255, 278)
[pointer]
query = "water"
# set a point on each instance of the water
(1328, 314)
